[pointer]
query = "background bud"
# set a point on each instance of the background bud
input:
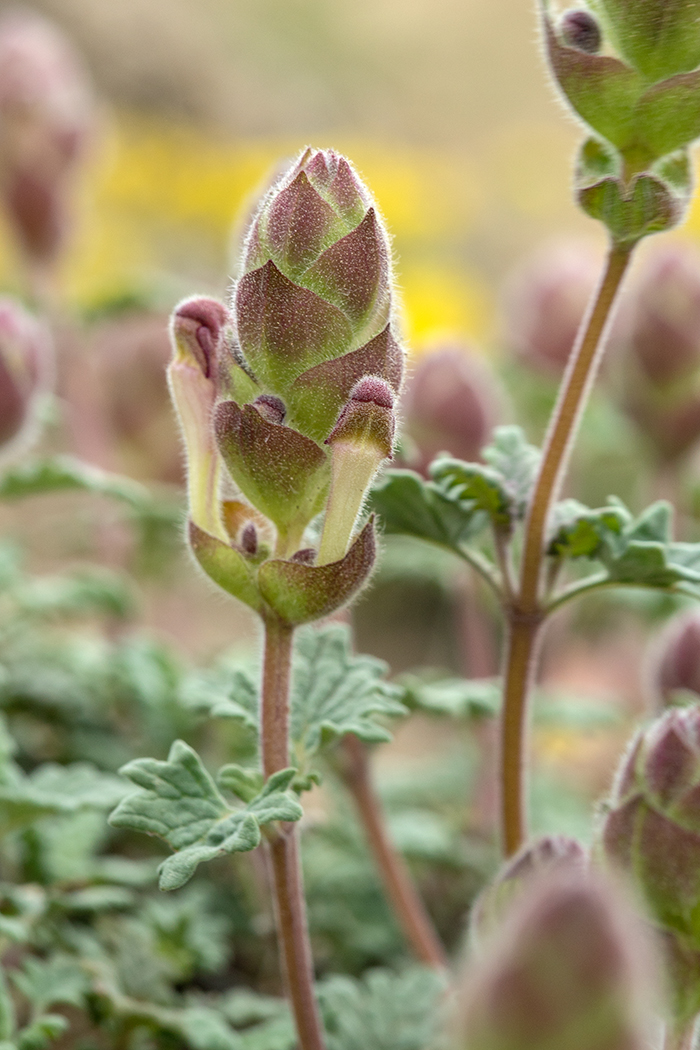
(45, 119)
(547, 855)
(25, 355)
(675, 661)
(545, 301)
(451, 404)
(651, 831)
(659, 337)
(568, 971)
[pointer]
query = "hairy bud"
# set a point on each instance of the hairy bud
(651, 831)
(25, 355)
(45, 119)
(578, 28)
(544, 856)
(567, 971)
(451, 404)
(675, 664)
(545, 302)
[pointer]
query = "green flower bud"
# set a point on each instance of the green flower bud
(197, 332)
(651, 831)
(569, 971)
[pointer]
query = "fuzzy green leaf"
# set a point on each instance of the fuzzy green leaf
(409, 506)
(335, 692)
(59, 979)
(579, 532)
(501, 488)
(54, 790)
(66, 473)
(179, 801)
(458, 697)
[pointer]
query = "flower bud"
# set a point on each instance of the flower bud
(545, 301)
(569, 970)
(651, 831)
(547, 855)
(660, 340)
(197, 333)
(578, 28)
(675, 670)
(25, 355)
(45, 118)
(451, 404)
(361, 440)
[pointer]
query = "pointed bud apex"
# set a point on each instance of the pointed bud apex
(45, 119)
(451, 404)
(651, 831)
(578, 28)
(25, 355)
(571, 969)
(271, 408)
(545, 856)
(249, 539)
(367, 420)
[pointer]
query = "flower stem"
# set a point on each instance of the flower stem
(400, 888)
(524, 612)
(283, 845)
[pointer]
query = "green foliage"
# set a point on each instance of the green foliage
(180, 803)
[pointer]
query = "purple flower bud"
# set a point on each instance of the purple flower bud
(570, 970)
(553, 853)
(198, 326)
(545, 302)
(651, 829)
(249, 539)
(25, 361)
(675, 666)
(367, 419)
(451, 404)
(660, 347)
(578, 28)
(315, 290)
(270, 408)
(45, 120)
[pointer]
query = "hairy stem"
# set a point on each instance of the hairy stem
(285, 862)
(399, 886)
(524, 611)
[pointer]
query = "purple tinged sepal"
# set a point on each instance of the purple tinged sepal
(651, 832)
(570, 969)
(299, 593)
(284, 474)
(197, 332)
(360, 441)
(226, 565)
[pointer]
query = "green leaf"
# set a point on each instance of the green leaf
(59, 979)
(668, 114)
(65, 473)
(457, 697)
(579, 532)
(180, 803)
(42, 1031)
(502, 488)
(660, 39)
(384, 1011)
(52, 790)
(223, 692)
(335, 692)
(409, 506)
(7, 1009)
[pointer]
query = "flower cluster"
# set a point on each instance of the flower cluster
(287, 395)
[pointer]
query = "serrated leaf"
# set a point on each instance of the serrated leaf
(500, 489)
(407, 505)
(53, 790)
(59, 979)
(458, 697)
(180, 802)
(579, 532)
(224, 692)
(336, 692)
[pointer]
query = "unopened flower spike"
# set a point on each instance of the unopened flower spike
(197, 334)
(362, 438)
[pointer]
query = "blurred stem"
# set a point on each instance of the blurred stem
(524, 612)
(398, 884)
(283, 844)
